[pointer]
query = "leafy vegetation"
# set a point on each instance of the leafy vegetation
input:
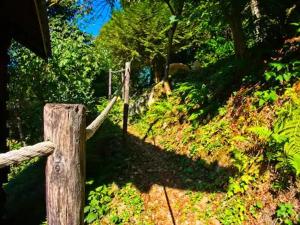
(285, 213)
(98, 203)
(114, 205)
(288, 128)
(215, 142)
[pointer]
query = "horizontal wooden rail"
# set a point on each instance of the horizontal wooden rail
(26, 153)
(65, 135)
(47, 147)
(94, 126)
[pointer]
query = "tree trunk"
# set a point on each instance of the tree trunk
(259, 33)
(158, 69)
(166, 82)
(235, 23)
(176, 10)
(155, 73)
(20, 129)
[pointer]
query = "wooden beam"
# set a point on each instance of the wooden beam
(64, 125)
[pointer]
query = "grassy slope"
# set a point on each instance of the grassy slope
(213, 144)
(208, 167)
(249, 189)
(204, 169)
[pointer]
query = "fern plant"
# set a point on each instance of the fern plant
(289, 127)
(284, 140)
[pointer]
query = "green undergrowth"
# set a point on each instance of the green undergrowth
(236, 156)
(114, 205)
(255, 133)
(111, 196)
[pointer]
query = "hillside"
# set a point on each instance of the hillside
(195, 164)
(211, 90)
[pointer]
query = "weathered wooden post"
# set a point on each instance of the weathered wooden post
(126, 97)
(65, 126)
(109, 83)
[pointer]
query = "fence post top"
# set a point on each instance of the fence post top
(78, 107)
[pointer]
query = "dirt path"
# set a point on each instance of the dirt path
(165, 196)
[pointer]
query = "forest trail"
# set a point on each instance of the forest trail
(161, 202)
(174, 188)
(162, 184)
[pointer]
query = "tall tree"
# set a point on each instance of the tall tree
(139, 32)
(232, 10)
(66, 77)
(176, 9)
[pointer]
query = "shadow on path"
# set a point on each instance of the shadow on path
(140, 163)
(145, 164)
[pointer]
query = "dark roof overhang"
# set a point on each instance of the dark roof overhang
(27, 23)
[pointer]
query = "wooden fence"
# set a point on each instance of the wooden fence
(65, 135)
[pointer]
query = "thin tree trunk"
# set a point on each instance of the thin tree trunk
(166, 82)
(20, 129)
(235, 23)
(155, 73)
(176, 10)
(255, 9)
(259, 33)
(158, 69)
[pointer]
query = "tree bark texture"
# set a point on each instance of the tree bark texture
(65, 126)
(176, 9)
(166, 82)
(158, 69)
(255, 10)
(233, 13)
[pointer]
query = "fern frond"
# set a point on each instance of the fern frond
(290, 128)
(294, 161)
(262, 132)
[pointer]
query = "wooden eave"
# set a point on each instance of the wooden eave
(28, 24)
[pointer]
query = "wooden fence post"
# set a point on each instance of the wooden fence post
(126, 97)
(109, 83)
(65, 126)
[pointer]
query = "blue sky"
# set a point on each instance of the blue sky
(93, 23)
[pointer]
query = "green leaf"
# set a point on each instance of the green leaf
(194, 116)
(173, 19)
(269, 74)
(278, 66)
(261, 102)
(91, 217)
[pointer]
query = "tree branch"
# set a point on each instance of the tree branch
(170, 7)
